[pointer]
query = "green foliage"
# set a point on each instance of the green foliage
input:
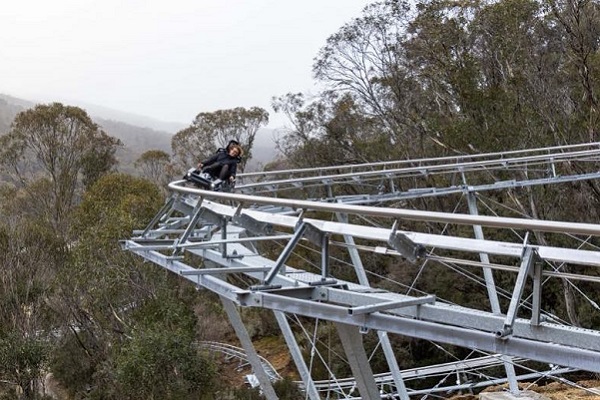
(444, 76)
(58, 145)
(330, 131)
(30, 255)
(100, 282)
(29, 258)
(160, 359)
(155, 165)
(98, 268)
(101, 159)
(117, 203)
(166, 312)
(136, 337)
(364, 59)
(157, 364)
(23, 360)
(73, 362)
(191, 145)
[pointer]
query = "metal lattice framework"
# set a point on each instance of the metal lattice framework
(282, 234)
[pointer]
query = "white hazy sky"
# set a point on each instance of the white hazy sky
(165, 59)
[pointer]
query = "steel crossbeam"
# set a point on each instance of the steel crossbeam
(440, 315)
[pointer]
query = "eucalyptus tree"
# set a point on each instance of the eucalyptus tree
(307, 117)
(470, 59)
(191, 145)
(156, 166)
(366, 59)
(118, 311)
(160, 358)
(329, 130)
(526, 85)
(55, 149)
(579, 23)
(30, 255)
(470, 76)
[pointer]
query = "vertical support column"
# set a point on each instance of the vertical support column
(324, 257)
(490, 284)
(487, 271)
(359, 363)
(383, 336)
(354, 255)
(224, 237)
(292, 344)
(242, 334)
(390, 357)
(537, 294)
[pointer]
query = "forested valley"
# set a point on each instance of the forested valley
(400, 81)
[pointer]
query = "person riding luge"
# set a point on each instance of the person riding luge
(223, 164)
(217, 172)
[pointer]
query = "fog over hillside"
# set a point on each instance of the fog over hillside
(138, 133)
(131, 119)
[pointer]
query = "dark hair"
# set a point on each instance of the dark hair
(231, 143)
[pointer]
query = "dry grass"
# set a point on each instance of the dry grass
(552, 391)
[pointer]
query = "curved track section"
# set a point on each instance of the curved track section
(303, 243)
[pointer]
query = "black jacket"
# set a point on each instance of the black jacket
(220, 158)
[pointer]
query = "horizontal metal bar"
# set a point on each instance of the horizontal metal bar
(224, 270)
(391, 305)
(170, 244)
(211, 243)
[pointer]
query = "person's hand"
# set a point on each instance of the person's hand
(231, 179)
(199, 165)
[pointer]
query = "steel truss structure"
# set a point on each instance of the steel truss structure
(306, 216)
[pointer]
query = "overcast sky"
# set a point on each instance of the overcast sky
(166, 59)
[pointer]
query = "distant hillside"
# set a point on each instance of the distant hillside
(137, 139)
(106, 113)
(9, 108)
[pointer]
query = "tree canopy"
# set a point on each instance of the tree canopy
(440, 76)
(52, 152)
